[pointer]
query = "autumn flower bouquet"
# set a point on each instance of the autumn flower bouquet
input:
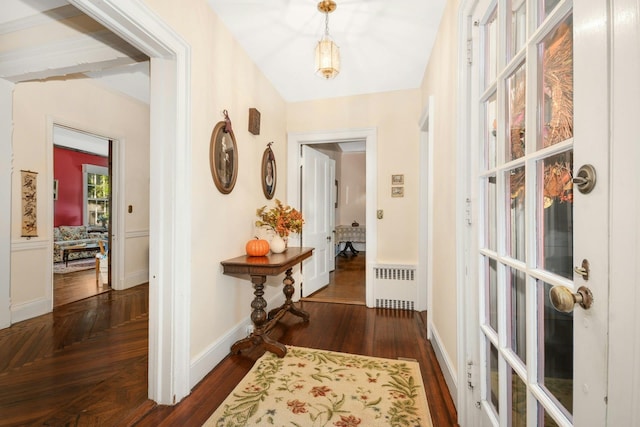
(282, 219)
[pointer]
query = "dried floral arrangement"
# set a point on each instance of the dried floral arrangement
(558, 93)
(283, 219)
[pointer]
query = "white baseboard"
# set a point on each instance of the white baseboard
(446, 365)
(30, 309)
(136, 278)
(204, 363)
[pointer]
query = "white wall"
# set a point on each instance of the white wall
(353, 189)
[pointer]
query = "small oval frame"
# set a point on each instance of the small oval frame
(223, 158)
(269, 173)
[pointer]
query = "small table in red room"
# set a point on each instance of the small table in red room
(258, 268)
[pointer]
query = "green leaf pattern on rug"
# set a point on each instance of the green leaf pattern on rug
(318, 388)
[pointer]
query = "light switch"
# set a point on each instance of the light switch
(380, 213)
(130, 208)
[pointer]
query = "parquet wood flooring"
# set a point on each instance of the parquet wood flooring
(71, 287)
(85, 364)
(82, 364)
(347, 283)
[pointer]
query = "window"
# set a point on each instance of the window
(96, 189)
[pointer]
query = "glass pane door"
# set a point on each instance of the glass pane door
(524, 183)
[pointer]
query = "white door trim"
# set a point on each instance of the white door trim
(6, 157)
(117, 199)
(425, 212)
(624, 259)
(294, 161)
(170, 188)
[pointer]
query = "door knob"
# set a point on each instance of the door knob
(563, 299)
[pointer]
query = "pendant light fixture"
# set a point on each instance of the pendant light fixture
(327, 52)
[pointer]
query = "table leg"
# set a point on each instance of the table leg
(288, 305)
(349, 246)
(259, 318)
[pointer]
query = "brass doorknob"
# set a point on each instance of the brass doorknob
(563, 299)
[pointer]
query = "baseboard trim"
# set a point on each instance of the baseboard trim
(446, 364)
(30, 309)
(204, 363)
(136, 278)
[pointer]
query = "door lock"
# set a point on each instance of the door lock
(583, 270)
(585, 179)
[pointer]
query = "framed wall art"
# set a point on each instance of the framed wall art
(269, 172)
(397, 191)
(397, 179)
(223, 157)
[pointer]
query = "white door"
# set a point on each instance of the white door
(532, 227)
(318, 177)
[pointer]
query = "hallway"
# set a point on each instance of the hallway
(85, 364)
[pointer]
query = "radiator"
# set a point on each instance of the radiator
(395, 287)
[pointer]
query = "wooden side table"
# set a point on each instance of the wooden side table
(258, 268)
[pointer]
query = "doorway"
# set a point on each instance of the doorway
(82, 214)
(369, 137)
(345, 197)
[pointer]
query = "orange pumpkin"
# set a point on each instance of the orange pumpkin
(257, 247)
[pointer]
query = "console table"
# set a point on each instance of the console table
(258, 268)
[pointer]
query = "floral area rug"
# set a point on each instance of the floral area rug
(311, 387)
(75, 265)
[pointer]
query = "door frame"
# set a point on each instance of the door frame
(6, 156)
(467, 391)
(117, 214)
(170, 188)
(425, 219)
(624, 258)
(294, 162)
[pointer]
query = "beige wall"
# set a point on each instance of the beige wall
(440, 81)
(353, 189)
(82, 105)
(395, 116)
(223, 77)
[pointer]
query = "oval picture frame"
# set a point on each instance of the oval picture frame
(269, 173)
(223, 158)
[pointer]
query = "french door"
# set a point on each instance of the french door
(539, 112)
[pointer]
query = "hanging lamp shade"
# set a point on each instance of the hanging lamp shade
(327, 58)
(327, 52)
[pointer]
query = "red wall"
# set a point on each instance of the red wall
(67, 169)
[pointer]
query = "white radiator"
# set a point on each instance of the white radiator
(395, 287)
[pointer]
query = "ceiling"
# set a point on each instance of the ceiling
(384, 45)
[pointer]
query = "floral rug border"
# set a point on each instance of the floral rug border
(310, 387)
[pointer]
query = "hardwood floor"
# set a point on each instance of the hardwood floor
(85, 364)
(346, 283)
(75, 286)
